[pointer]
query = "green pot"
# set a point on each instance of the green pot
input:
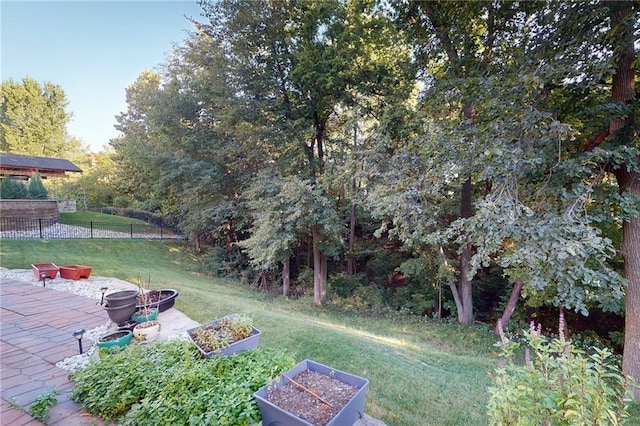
(116, 339)
(142, 318)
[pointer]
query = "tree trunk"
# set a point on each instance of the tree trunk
(465, 316)
(351, 260)
(623, 92)
(286, 276)
(319, 270)
(511, 305)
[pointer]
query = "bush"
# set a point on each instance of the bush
(171, 383)
(558, 385)
(36, 190)
(11, 189)
(344, 285)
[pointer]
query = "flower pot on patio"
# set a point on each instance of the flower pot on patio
(120, 314)
(119, 339)
(144, 314)
(225, 336)
(75, 272)
(122, 298)
(147, 331)
(320, 396)
(48, 270)
(162, 299)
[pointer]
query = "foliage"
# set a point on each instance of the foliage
(12, 189)
(36, 190)
(421, 371)
(344, 285)
(33, 119)
(43, 403)
(171, 383)
(222, 333)
(559, 384)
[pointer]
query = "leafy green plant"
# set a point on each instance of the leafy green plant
(222, 333)
(558, 384)
(170, 383)
(43, 403)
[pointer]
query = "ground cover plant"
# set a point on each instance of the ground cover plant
(170, 383)
(421, 372)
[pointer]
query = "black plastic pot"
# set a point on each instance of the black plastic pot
(167, 299)
(120, 314)
(121, 298)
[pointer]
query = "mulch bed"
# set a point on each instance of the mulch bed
(301, 403)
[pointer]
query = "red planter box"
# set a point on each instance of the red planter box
(75, 272)
(49, 269)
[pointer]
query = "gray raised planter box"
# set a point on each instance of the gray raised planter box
(272, 415)
(250, 342)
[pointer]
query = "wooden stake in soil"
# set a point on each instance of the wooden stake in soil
(306, 390)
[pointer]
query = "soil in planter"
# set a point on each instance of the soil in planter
(113, 336)
(301, 403)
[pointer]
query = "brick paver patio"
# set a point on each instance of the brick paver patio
(36, 331)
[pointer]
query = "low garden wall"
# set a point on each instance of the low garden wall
(46, 210)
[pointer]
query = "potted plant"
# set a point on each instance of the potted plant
(163, 299)
(146, 310)
(147, 331)
(312, 394)
(225, 336)
(119, 339)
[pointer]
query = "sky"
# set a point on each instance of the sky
(93, 50)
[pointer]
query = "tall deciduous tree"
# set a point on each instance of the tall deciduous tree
(295, 64)
(34, 119)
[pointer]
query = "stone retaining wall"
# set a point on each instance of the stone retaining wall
(30, 209)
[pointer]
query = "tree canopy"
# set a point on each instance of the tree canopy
(478, 141)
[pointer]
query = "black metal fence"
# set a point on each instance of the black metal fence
(13, 228)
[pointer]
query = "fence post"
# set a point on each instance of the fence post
(91, 228)
(161, 231)
(131, 230)
(40, 227)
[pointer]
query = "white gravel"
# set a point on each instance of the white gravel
(60, 230)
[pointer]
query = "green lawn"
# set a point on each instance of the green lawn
(99, 217)
(421, 372)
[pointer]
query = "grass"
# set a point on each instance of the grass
(86, 216)
(109, 222)
(421, 372)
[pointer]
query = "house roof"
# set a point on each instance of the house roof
(27, 165)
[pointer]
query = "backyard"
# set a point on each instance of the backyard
(420, 371)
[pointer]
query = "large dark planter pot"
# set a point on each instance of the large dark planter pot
(273, 415)
(120, 314)
(121, 298)
(167, 298)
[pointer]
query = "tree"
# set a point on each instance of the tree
(36, 189)
(34, 119)
(294, 66)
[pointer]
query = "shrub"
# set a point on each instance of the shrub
(12, 189)
(36, 190)
(170, 383)
(344, 285)
(559, 384)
